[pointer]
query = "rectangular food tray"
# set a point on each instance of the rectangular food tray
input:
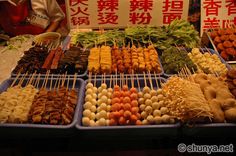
(79, 86)
(205, 50)
(162, 129)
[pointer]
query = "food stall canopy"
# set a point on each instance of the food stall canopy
(122, 13)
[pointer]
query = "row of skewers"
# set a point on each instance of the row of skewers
(186, 97)
(111, 102)
(48, 101)
(110, 60)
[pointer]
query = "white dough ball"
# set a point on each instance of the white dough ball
(147, 96)
(144, 115)
(93, 116)
(163, 110)
(89, 85)
(104, 86)
(85, 121)
(148, 109)
(140, 94)
(94, 102)
(92, 123)
(93, 108)
(89, 91)
(87, 105)
(87, 113)
(145, 122)
(150, 119)
(103, 114)
(156, 112)
(148, 102)
(142, 107)
(103, 106)
(88, 98)
(102, 122)
(157, 120)
(156, 105)
(153, 92)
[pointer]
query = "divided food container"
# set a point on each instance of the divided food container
(42, 129)
(130, 130)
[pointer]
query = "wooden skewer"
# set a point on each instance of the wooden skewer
(156, 79)
(64, 79)
(104, 77)
(74, 81)
(110, 82)
(44, 80)
(150, 80)
(59, 82)
(55, 85)
(47, 78)
(89, 78)
(17, 76)
(161, 84)
(95, 80)
(51, 82)
(38, 78)
(132, 79)
(138, 82)
(68, 83)
(34, 79)
(145, 81)
(23, 78)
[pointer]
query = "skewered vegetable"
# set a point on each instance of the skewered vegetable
(207, 62)
(173, 60)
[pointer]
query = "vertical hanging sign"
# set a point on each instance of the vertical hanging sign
(123, 13)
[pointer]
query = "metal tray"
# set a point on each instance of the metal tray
(162, 129)
(42, 129)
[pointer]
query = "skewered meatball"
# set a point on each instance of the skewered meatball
(227, 44)
(232, 37)
(224, 37)
(217, 40)
(220, 47)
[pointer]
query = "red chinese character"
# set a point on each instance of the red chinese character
(174, 5)
(141, 5)
(212, 7)
(77, 2)
(211, 23)
(111, 5)
(80, 20)
(231, 5)
(78, 11)
(140, 18)
(228, 23)
(169, 17)
(110, 18)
